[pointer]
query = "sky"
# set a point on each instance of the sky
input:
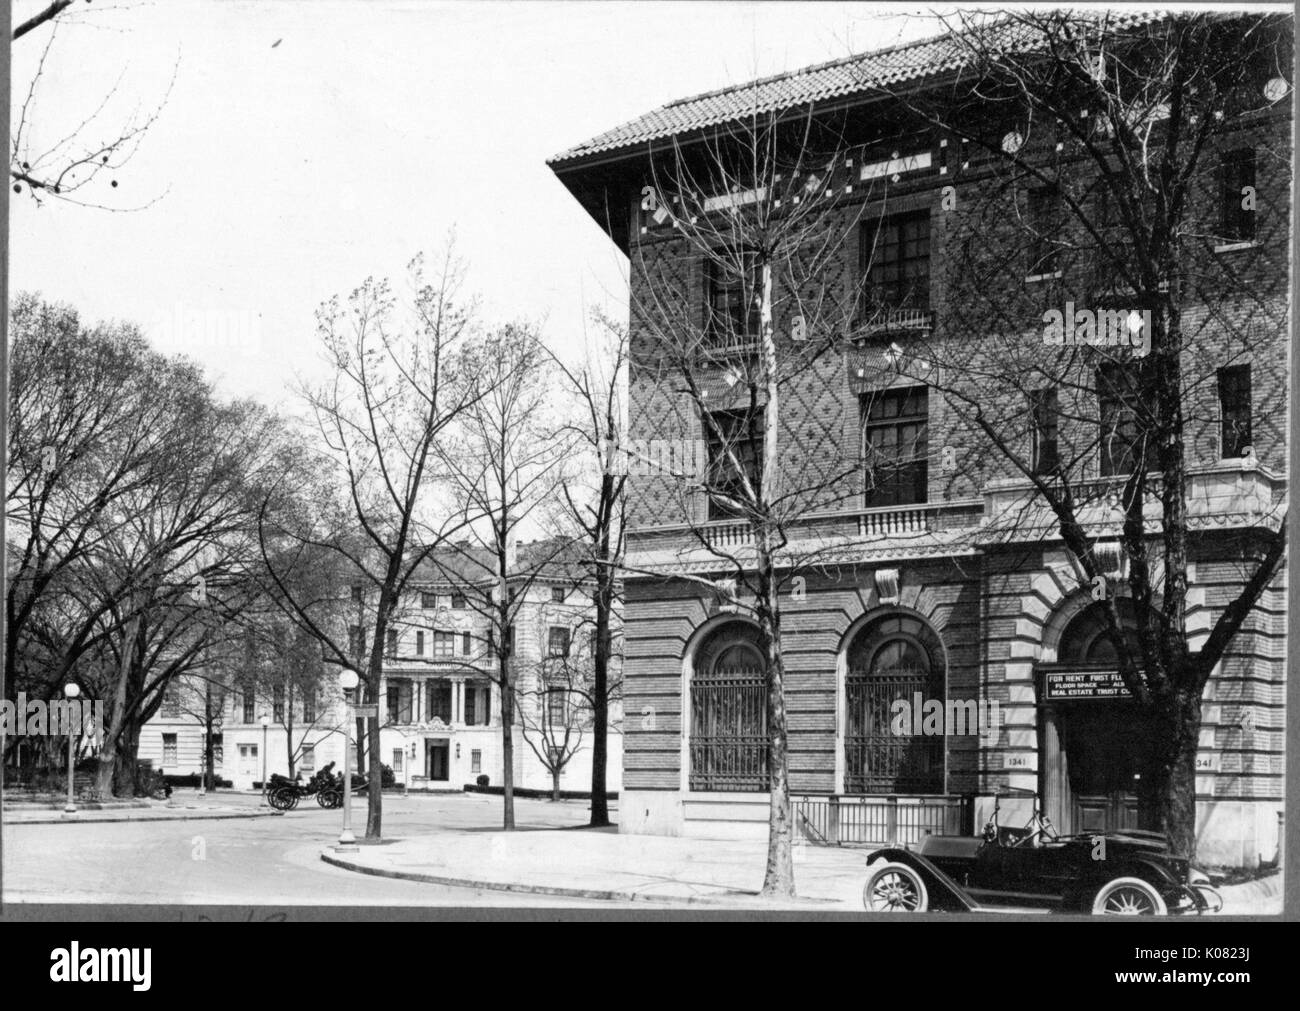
(301, 147)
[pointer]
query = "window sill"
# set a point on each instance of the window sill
(1232, 247)
(1053, 276)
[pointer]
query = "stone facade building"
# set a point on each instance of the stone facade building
(940, 576)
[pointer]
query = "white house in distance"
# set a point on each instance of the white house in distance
(439, 705)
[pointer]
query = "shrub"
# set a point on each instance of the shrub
(387, 778)
(482, 780)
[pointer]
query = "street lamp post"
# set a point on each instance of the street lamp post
(348, 681)
(266, 725)
(71, 691)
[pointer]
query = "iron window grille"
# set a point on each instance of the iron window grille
(557, 646)
(729, 745)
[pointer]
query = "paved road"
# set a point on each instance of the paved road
(263, 861)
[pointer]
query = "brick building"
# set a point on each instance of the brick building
(937, 572)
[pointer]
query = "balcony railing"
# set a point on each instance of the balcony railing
(891, 321)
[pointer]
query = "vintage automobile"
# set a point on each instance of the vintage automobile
(1034, 869)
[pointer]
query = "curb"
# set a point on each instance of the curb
(607, 895)
(189, 816)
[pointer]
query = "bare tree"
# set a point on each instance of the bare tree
(1111, 159)
(393, 392)
(766, 205)
(65, 167)
(504, 466)
(594, 505)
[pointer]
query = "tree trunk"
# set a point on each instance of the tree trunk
(778, 878)
(555, 784)
(1168, 789)
(209, 757)
(508, 754)
(600, 698)
(375, 791)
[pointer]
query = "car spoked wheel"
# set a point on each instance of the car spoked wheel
(894, 888)
(1129, 897)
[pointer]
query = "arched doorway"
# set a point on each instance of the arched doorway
(1097, 741)
(896, 657)
(728, 711)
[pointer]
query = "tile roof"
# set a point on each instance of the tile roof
(863, 73)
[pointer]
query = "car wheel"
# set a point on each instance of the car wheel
(1128, 897)
(894, 888)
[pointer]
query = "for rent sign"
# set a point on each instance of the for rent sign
(1059, 685)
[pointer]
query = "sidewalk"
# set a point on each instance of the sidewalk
(183, 805)
(601, 864)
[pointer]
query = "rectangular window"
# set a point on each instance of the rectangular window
(169, 751)
(1119, 389)
(419, 644)
(557, 642)
(558, 594)
(356, 594)
(437, 695)
(465, 644)
(250, 705)
(218, 752)
(556, 708)
(458, 602)
(309, 705)
(896, 264)
(895, 446)
(390, 643)
(171, 703)
(1234, 410)
(1237, 171)
(444, 644)
(398, 755)
(356, 640)
(1043, 421)
(728, 438)
(308, 761)
(475, 761)
(476, 704)
(732, 310)
(277, 703)
(1045, 223)
(393, 693)
(428, 601)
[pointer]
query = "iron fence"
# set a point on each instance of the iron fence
(881, 821)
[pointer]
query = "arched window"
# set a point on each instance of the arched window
(895, 658)
(1086, 640)
(728, 742)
